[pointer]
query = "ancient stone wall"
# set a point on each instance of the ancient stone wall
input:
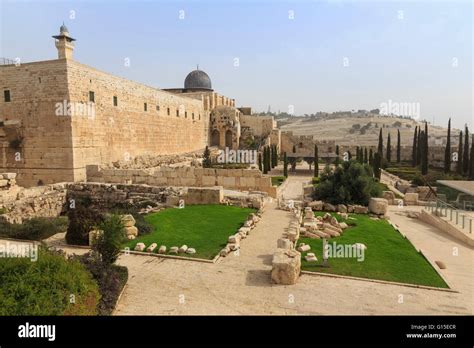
(167, 124)
(234, 179)
(261, 126)
(34, 141)
(19, 203)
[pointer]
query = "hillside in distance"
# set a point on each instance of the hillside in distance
(363, 130)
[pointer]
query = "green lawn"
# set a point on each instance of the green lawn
(278, 180)
(202, 227)
(389, 256)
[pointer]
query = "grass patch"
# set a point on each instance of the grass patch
(389, 256)
(202, 227)
(278, 180)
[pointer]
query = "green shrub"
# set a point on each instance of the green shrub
(34, 229)
(351, 183)
(46, 286)
(108, 244)
(418, 180)
(111, 280)
(81, 221)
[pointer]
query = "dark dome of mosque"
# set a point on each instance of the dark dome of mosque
(197, 79)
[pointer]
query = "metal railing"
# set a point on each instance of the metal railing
(457, 217)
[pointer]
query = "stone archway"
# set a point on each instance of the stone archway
(228, 139)
(215, 138)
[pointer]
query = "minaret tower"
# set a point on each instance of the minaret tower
(64, 43)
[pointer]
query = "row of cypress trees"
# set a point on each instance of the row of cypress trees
(464, 157)
(269, 160)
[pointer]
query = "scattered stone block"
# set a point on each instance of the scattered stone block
(316, 205)
(389, 196)
(183, 248)
(190, 251)
(128, 220)
(131, 231)
(304, 247)
(286, 266)
(151, 247)
(140, 247)
(378, 206)
(343, 225)
(162, 249)
(342, 208)
(174, 250)
(329, 207)
(310, 257)
(284, 243)
(360, 209)
(410, 198)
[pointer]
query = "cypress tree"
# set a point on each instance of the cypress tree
(366, 156)
(399, 147)
(371, 157)
(266, 160)
(357, 154)
(316, 160)
(206, 161)
(349, 155)
(285, 165)
(414, 148)
(260, 162)
(389, 149)
(337, 157)
(380, 147)
(270, 157)
(294, 148)
(419, 148)
(376, 165)
(427, 148)
(460, 148)
(465, 158)
(423, 152)
(447, 151)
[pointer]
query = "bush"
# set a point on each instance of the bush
(34, 229)
(418, 180)
(81, 221)
(351, 183)
(108, 244)
(111, 280)
(45, 287)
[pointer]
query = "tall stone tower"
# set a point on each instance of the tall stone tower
(64, 43)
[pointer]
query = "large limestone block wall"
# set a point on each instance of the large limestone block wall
(45, 154)
(261, 126)
(234, 179)
(171, 124)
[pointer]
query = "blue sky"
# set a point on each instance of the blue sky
(282, 61)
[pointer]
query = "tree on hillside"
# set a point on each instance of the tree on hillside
(380, 146)
(399, 149)
(459, 159)
(337, 153)
(371, 157)
(389, 149)
(270, 155)
(465, 158)
(260, 162)
(366, 155)
(316, 160)
(447, 151)
(285, 165)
